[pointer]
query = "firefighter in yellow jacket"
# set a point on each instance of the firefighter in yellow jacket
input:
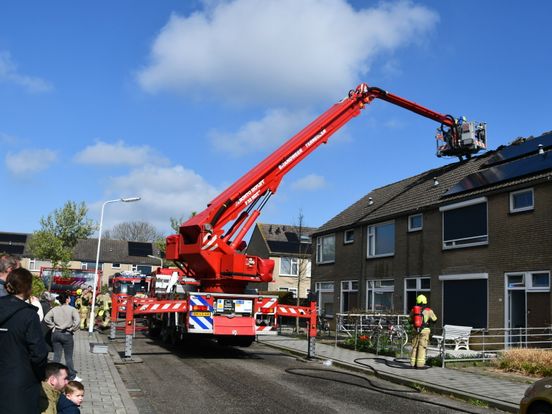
(103, 306)
(421, 316)
(83, 303)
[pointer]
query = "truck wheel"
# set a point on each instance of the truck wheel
(153, 329)
(540, 408)
(245, 341)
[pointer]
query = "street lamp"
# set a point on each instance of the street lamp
(96, 275)
(155, 257)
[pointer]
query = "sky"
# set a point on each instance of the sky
(173, 101)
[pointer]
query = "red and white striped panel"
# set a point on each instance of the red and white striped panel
(266, 330)
(292, 311)
(267, 303)
(162, 307)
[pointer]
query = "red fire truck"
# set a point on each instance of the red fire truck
(68, 280)
(207, 294)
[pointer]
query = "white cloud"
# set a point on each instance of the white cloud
(27, 162)
(273, 129)
(10, 73)
(310, 182)
(103, 153)
(165, 191)
(267, 51)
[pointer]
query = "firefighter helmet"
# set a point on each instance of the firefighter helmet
(421, 300)
(79, 292)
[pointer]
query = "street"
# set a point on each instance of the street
(203, 377)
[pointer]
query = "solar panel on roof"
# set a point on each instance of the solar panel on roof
(12, 248)
(140, 249)
(514, 151)
(504, 172)
(14, 238)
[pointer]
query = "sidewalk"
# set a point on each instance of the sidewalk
(499, 393)
(104, 389)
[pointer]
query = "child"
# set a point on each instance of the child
(71, 399)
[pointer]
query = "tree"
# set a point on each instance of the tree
(138, 231)
(59, 234)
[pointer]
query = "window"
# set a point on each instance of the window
(415, 222)
(89, 265)
(115, 265)
(381, 240)
(522, 200)
(465, 224)
(325, 296)
(349, 236)
(35, 265)
(289, 266)
(465, 299)
(413, 287)
(533, 281)
(349, 295)
(325, 249)
(143, 269)
(379, 295)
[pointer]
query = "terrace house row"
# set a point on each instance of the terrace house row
(291, 249)
(474, 236)
(115, 255)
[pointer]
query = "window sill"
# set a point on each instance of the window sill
(461, 246)
(379, 256)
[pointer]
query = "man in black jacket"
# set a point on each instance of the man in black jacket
(23, 350)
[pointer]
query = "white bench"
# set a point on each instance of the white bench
(460, 335)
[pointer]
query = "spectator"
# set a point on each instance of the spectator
(23, 353)
(46, 303)
(7, 264)
(64, 321)
(56, 379)
(33, 300)
(71, 399)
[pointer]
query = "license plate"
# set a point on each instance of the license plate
(201, 313)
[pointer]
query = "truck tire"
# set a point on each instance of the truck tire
(153, 328)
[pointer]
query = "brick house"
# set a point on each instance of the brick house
(291, 249)
(115, 255)
(474, 236)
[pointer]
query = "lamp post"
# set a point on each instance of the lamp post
(151, 256)
(96, 275)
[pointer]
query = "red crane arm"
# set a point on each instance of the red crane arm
(209, 242)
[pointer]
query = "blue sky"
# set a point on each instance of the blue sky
(175, 100)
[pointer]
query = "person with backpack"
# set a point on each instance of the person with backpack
(23, 355)
(422, 316)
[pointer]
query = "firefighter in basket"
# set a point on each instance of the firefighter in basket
(83, 302)
(421, 316)
(103, 309)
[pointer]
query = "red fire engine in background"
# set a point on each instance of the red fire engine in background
(207, 295)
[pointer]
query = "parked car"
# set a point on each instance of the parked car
(538, 398)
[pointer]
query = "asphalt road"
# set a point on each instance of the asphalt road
(205, 378)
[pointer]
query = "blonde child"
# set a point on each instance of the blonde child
(71, 399)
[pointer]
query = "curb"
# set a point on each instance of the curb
(445, 391)
(130, 407)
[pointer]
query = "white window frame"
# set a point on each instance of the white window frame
(115, 265)
(528, 281)
(351, 239)
(410, 228)
(451, 244)
(293, 260)
(384, 289)
(319, 248)
(528, 208)
(348, 289)
(319, 289)
(372, 241)
(418, 288)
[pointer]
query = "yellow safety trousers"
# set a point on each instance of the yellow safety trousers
(419, 347)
